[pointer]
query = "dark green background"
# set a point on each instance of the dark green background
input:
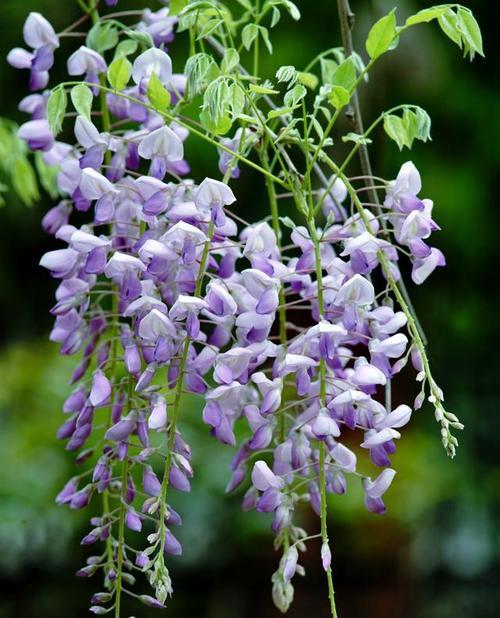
(436, 553)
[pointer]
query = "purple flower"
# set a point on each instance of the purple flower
(152, 61)
(263, 478)
(150, 482)
(85, 61)
(37, 134)
(161, 147)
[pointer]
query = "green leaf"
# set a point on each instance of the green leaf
(219, 100)
(102, 36)
(56, 108)
(287, 222)
(345, 75)
(81, 97)
(393, 126)
(235, 100)
(292, 9)
(275, 16)
(449, 25)
(158, 95)
(248, 35)
(279, 112)
(119, 73)
(294, 96)
(230, 60)
(339, 97)
(262, 89)
(264, 32)
(382, 35)
(47, 175)
(356, 138)
(426, 15)
(209, 28)
(287, 73)
(24, 181)
(471, 33)
(201, 70)
(176, 6)
(415, 123)
(143, 38)
(328, 68)
(310, 80)
(421, 122)
(125, 48)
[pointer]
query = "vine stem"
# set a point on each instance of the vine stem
(106, 125)
(178, 393)
(121, 525)
(324, 527)
(322, 375)
(273, 205)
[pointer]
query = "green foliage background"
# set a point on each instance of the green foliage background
(436, 554)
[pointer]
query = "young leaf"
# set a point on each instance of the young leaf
(125, 48)
(262, 89)
(264, 32)
(294, 96)
(176, 6)
(339, 97)
(308, 79)
(471, 33)
(217, 102)
(292, 9)
(24, 181)
(248, 35)
(119, 73)
(275, 16)
(230, 60)
(81, 97)
(47, 174)
(382, 35)
(356, 138)
(158, 95)
(143, 38)
(449, 25)
(279, 112)
(426, 15)
(102, 36)
(287, 73)
(393, 126)
(422, 124)
(56, 108)
(200, 70)
(328, 67)
(415, 123)
(345, 75)
(209, 28)
(287, 222)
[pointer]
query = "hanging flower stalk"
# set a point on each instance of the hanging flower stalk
(294, 326)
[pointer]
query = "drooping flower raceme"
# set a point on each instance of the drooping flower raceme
(164, 288)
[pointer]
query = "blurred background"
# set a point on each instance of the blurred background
(436, 554)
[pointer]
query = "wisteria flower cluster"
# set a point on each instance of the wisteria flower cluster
(291, 327)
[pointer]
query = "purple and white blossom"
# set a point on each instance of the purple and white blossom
(164, 289)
